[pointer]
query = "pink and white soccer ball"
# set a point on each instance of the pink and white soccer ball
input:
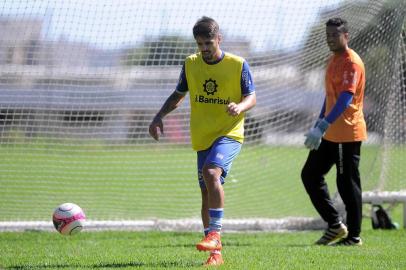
(68, 218)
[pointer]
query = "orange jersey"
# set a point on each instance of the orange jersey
(346, 72)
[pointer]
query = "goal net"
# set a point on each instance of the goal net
(80, 82)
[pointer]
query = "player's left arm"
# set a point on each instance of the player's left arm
(343, 101)
(248, 92)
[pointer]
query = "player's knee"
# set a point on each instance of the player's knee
(211, 174)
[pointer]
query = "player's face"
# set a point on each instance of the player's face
(336, 40)
(209, 47)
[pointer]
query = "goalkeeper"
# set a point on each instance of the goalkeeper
(220, 89)
(336, 140)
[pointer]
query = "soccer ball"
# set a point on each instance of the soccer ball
(68, 218)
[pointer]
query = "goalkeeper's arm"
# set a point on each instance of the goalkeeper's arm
(173, 101)
(344, 100)
(313, 137)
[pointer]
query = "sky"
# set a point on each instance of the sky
(112, 24)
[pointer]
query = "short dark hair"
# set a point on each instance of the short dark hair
(340, 23)
(205, 27)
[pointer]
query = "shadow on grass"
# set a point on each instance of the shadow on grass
(193, 246)
(297, 245)
(163, 264)
(231, 243)
(170, 246)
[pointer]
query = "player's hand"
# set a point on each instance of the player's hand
(154, 126)
(313, 137)
(233, 109)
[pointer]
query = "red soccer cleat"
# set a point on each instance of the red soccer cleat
(210, 242)
(215, 259)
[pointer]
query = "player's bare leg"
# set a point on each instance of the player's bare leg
(211, 176)
(205, 209)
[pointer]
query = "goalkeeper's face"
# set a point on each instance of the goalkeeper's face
(337, 40)
(209, 47)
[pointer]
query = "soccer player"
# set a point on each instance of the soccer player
(336, 140)
(221, 89)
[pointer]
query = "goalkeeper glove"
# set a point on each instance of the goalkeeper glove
(313, 137)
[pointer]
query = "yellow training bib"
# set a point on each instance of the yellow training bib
(211, 89)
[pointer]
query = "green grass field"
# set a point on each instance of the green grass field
(139, 182)
(160, 250)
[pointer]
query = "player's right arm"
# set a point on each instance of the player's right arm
(173, 101)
